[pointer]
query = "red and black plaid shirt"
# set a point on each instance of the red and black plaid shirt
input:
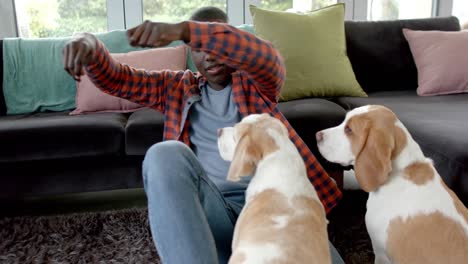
(255, 86)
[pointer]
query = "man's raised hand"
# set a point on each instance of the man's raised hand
(154, 34)
(77, 53)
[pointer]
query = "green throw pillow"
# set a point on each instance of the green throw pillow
(313, 46)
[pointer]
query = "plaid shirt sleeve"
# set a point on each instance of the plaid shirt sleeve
(242, 51)
(148, 88)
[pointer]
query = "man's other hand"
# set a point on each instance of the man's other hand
(77, 53)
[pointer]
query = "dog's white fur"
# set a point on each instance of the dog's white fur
(280, 199)
(405, 195)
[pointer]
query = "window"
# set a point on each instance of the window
(280, 5)
(286, 5)
(299, 5)
(460, 10)
(175, 10)
(58, 18)
(398, 9)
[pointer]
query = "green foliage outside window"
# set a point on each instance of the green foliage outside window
(390, 9)
(56, 18)
(283, 5)
(176, 10)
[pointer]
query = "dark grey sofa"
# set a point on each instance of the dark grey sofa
(385, 68)
(54, 153)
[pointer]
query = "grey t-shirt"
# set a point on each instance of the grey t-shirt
(216, 109)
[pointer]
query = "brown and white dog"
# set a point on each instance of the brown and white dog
(283, 220)
(412, 216)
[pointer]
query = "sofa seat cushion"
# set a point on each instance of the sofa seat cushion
(57, 135)
(144, 128)
(308, 116)
(70, 175)
(437, 123)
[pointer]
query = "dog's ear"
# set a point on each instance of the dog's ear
(373, 163)
(244, 162)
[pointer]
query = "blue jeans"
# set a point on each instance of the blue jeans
(191, 220)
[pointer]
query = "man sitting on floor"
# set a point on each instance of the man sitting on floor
(192, 207)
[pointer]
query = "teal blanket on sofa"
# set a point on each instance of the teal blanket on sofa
(34, 79)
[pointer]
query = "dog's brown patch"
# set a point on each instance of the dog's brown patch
(304, 236)
(458, 204)
(375, 141)
(253, 145)
(425, 239)
(419, 172)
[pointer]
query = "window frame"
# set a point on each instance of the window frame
(115, 14)
(125, 14)
(134, 12)
(434, 10)
(442, 7)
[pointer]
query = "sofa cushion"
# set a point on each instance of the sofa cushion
(2, 97)
(314, 50)
(437, 123)
(144, 128)
(308, 116)
(380, 55)
(34, 77)
(441, 60)
(71, 175)
(90, 99)
(43, 136)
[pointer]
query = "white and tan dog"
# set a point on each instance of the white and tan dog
(283, 220)
(412, 216)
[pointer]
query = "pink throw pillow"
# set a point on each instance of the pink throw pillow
(441, 58)
(89, 99)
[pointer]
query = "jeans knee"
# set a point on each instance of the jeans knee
(165, 150)
(163, 161)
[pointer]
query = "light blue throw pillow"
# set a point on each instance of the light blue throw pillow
(34, 79)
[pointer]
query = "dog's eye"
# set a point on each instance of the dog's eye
(348, 130)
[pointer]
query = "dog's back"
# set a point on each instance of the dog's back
(283, 220)
(275, 229)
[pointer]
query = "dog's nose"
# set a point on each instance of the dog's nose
(220, 132)
(319, 136)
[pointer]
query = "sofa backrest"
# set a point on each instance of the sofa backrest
(380, 55)
(2, 98)
(378, 51)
